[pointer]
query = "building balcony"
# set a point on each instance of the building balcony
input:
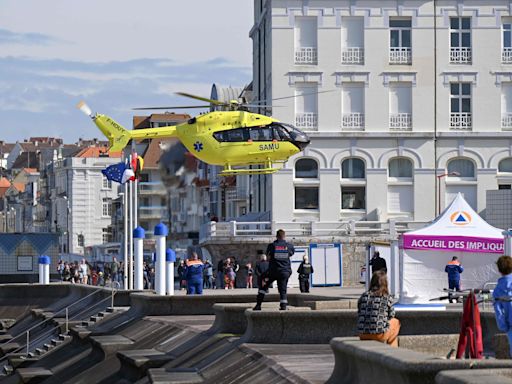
(400, 55)
(237, 193)
(460, 55)
(506, 56)
(353, 121)
(506, 121)
(146, 212)
(400, 121)
(306, 120)
(306, 55)
(352, 55)
(461, 121)
(152, 188)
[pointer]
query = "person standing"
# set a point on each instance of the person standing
(229, 274)
(249, 272)
(305, 270)
(378, 263)
(376, 314)
(181, 275)
(280, 269)
(194, 275)
(261, 270)
(454, 269)
(220, 275)
(83, 272)
(114, 270)
(502, 295)
(208, 275)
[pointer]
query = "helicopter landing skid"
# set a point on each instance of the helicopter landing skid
(255, 171)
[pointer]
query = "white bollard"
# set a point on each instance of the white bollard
(138, 239)
(170, 258)
(507, 242)
(161, 232)
(44, 269)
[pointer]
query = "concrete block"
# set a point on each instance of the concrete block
(475, 376)
(501, 346)
(436, 345)
(331, 304)
(370, 361)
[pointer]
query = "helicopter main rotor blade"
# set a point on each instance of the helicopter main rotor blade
(292, 97)
(182, 107)
(261, 106)
(216, 102)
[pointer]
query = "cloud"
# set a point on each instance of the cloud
(39, 96)
(30, 38)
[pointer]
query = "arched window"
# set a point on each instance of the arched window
(306, 169)
(353, 168)
(505, 165)
(400, 167)
(461, 168)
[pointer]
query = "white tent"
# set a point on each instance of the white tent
(424, 253)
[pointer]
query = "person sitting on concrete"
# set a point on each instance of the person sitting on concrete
(305, 270)
(378, 263)
(376, 314)
(454, 269)
(503, 298)
(194, 275)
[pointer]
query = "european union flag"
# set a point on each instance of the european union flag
(115, 172)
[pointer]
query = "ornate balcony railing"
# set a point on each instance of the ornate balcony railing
(460, 55)
(461, 121)
(353, 121)
(506, 121)
(306, 120)
(400, 121)
(400, 55)
(306, 55)
(506, 56)
(352, 55)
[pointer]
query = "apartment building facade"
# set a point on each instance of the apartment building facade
(405, 104)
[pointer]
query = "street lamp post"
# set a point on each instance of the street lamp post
(439, 177)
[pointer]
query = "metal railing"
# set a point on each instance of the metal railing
(147, 212)
(352, 55)
(353, 121)
(506, 56)
(153, 188)
(400, 121)
(400, 55)
(461, 121)
(306, 55)
(506, 121)
(307, 120)
(54, 316)
(241, 229)
(460, 55)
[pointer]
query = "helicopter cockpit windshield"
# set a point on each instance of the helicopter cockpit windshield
(274, 131)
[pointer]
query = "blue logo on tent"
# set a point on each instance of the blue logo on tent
(460, 219)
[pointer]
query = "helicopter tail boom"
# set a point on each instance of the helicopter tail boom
(117, 135)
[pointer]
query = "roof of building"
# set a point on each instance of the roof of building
(97, 152)
(30, 170)
(20, 187)
(26, 160)
(154, 152)
(4, 183)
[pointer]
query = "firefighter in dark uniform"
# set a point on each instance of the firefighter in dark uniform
(280, 269)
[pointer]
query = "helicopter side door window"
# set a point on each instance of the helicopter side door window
(232, 135)
(261, 134)
(281, 134)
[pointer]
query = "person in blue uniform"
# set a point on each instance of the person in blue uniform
(194, 275)
(454, 269)
(279, 270)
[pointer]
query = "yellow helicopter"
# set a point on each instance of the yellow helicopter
(230, 138)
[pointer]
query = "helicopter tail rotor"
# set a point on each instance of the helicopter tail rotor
(85, 109)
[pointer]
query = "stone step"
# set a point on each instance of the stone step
(8, 369)
(40, 351)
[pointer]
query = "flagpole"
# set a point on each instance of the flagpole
(135, 223)
(130, 259)
(125, 264)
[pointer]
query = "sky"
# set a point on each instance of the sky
(115, 55)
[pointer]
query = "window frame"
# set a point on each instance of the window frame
(460, 31)
(358, 179)
(360, 186)
(451, 178)
(461, 96)
(106, 206)
(401, 179)
(504, 31)
(400, 30)
(309, 187)
(317, 177)
(504, 172)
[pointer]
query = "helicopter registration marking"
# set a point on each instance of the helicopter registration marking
(269, 147)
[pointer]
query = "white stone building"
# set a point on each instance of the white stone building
(81, 199)
(405, 105)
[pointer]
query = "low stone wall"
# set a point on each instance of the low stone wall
(369, 361)
(321, 326)
(480, 376)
